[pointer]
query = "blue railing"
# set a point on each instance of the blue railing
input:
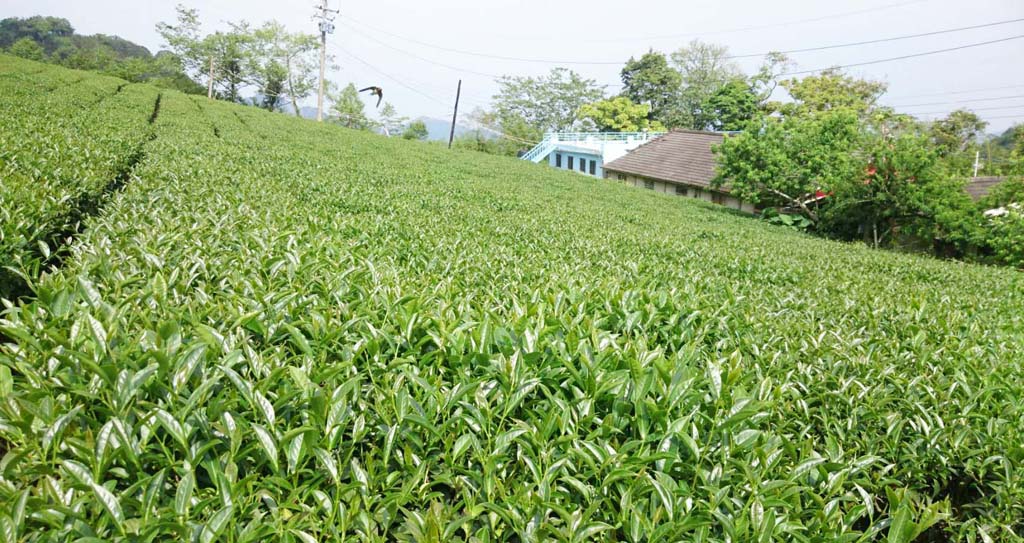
(552, 139)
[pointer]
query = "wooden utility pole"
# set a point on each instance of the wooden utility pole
(209, 85)
(326, 27)
(455, 114)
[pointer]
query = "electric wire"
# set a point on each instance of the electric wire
(619, 62)
(904, 57)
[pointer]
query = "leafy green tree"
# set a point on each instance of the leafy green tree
(27, 48)
(789, 162)
(619, 114)
(283, 64)
(704, 68)
(348, 109)
(50, 33)
(650, 81)
(902, 189)
(831, 90)
(956, 138)
(417, 130)
(731, 107)
(544, 103)
(228, 52)
(389, 119)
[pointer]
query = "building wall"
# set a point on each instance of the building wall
(685, 191)
(577, 157)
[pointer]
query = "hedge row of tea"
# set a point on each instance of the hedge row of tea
(279, 330)
(67, 138)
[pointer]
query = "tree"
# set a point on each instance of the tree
(652, 82)
(831, 90)
(348, 109)
(619, 114)
(545, 103)
(902, 188)
(50, 33)
(417, 130)
(731, 107)
(958, 132)
(283, 62)
(704, 68)
(766, 80)
(389, 120)
(228, 52)
(790, 162)
(27, 48)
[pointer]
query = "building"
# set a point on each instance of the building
(979, 187)
(585, 152)
(680, 162)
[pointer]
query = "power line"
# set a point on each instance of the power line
(883, 40)
(619, 62)
(957, 92)
(1019, 106)
(903, 57)
(961, 101)
(762, 27)
(389, 76)
(414, 55)
(429, 97)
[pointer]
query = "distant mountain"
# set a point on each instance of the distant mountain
(438, 129)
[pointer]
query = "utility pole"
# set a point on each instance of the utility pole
(209, 86)
(977, 163)
(455, 114)
(326, 27)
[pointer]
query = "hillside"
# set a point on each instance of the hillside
(235, 325)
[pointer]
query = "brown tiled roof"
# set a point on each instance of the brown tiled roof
(978, 187)
(681, 157)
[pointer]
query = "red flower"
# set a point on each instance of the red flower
(872, 170)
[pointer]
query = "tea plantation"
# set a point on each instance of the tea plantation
(229, 325)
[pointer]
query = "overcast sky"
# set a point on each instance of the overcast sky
(420, 78)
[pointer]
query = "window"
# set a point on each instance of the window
(558, 160)
(583, 165)
(696, 193)
(621, 177)
(649, 185)
(718, 198)
(593, 167)
(682, 190)
(570, 162)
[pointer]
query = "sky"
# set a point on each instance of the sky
(417, 51)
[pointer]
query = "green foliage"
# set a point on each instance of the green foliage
(417, 130)
(343, 337)
(50, 33)
(732, 107)
(347, 109)
(652, 82)
(28, 49)
(53, 40)
(832, 90)
(67, 140)
(1003, 234)
(619, 114)
(545, 103)
(901, 189)
(786, 162)
(704, 69)
(283, 65)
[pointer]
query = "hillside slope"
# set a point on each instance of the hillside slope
(276, 329)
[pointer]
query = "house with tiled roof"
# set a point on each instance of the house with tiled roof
(681, 163)
(979, 187)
